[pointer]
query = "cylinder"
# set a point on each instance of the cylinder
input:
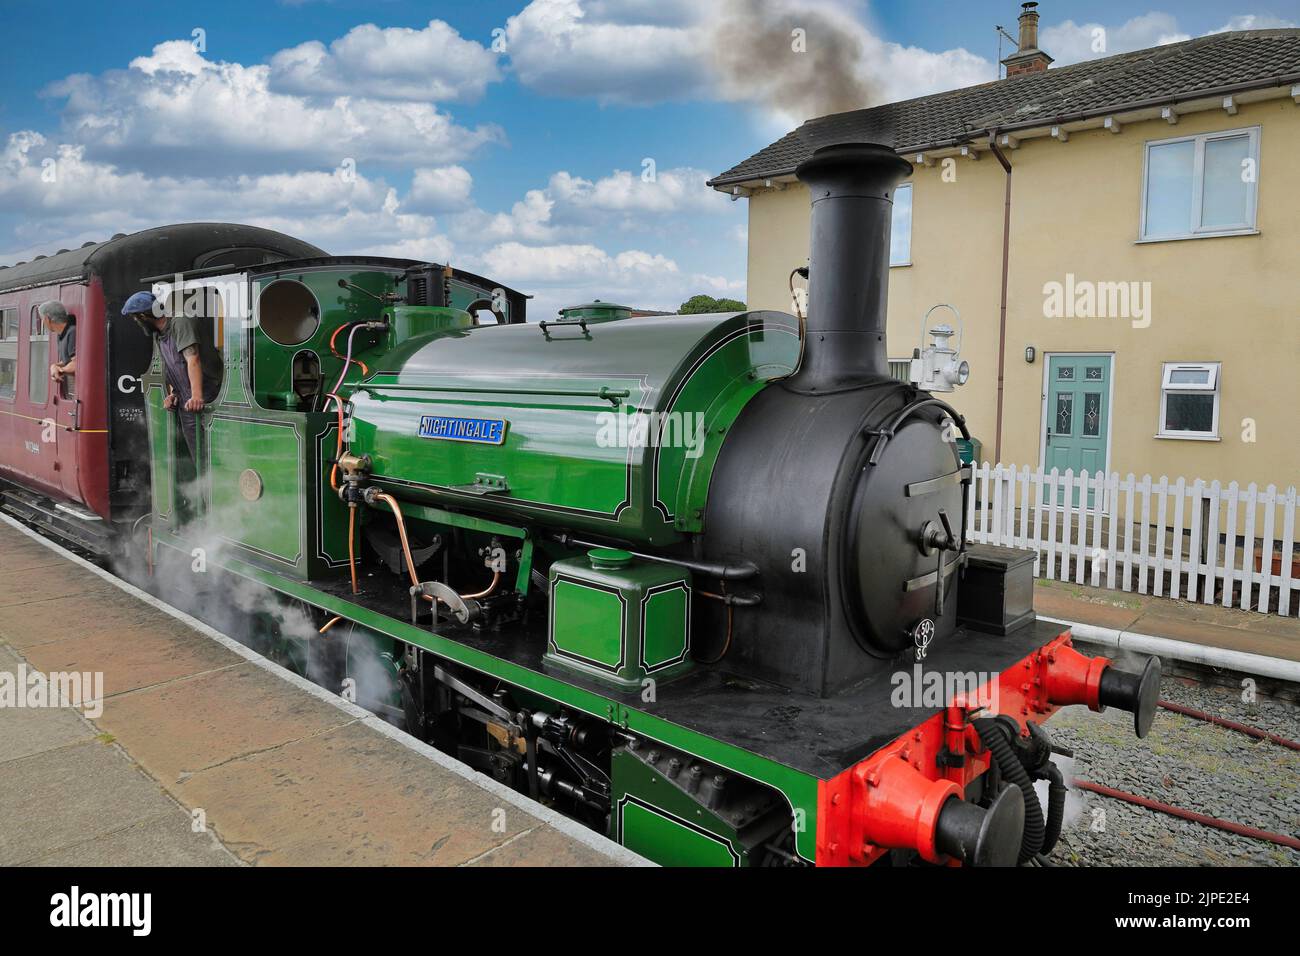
(852, 189)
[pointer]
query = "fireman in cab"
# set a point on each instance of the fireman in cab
(192, 364)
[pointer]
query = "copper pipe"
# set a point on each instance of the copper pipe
(410, 561)
(401, 533)
(330, 623)
(338, 447)
(352, 554)
(726, 643)
(496, 579)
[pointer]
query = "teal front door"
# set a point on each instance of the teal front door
(1078, 417)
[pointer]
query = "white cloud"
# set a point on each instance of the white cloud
(177, 109)
(625, 52)
(430, 248)
(634, 51)
(630, 51)
(529, 218)
(565, 274)
(62, 181)
(434, 63)
(902, 72)
(1256, 21)
(440, 189)
(1070, 42)
(346, 212)
(515, 262)
(672, 190)
(571, 207)
(83, 198)
(179, 136)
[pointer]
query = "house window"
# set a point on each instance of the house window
(1189, 400)
(38, 360)
(900, 231)
(1201, 185)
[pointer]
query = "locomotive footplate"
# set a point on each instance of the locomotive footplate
(816, 735)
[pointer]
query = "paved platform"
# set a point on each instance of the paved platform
(1209, 625)
(197, 752)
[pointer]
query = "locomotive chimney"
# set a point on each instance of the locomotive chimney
(852, 187)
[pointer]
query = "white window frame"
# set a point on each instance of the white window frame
(910, 221)
(1247, 228)
(1167, 388)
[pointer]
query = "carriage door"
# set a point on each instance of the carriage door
(42, 398)
(1077, 417)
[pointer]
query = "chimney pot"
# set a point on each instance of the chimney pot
(1028, 26)
(1028, 58)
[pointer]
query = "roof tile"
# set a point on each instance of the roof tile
(1170, 73)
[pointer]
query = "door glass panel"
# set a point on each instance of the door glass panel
(1092, 414)
(1064, 413)
(1225, 192)
(1093, 373)
(1065, 372)
(38, 361)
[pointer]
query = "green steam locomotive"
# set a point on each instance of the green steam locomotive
(662, 573)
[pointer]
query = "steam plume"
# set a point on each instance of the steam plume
(801, 59)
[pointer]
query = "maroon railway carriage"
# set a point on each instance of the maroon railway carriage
(73, 455)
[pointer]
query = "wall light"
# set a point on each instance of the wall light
(1030, 354)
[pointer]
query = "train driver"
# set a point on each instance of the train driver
(192, 364)
(64, 327)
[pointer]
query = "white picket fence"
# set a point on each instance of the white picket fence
(1183, 539)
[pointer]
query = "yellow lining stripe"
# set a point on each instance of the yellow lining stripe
(66, 428)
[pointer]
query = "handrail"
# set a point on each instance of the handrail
(612, 395)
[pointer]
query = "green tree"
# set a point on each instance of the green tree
(698, 304)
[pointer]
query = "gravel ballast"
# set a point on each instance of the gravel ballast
(1191, 764)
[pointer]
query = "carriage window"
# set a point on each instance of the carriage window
(38, 360)
(8, 352)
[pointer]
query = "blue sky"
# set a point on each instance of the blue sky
(414, 129)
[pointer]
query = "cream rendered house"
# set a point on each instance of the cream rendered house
(1121, 239)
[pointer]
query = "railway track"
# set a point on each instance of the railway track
(1190, 764)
